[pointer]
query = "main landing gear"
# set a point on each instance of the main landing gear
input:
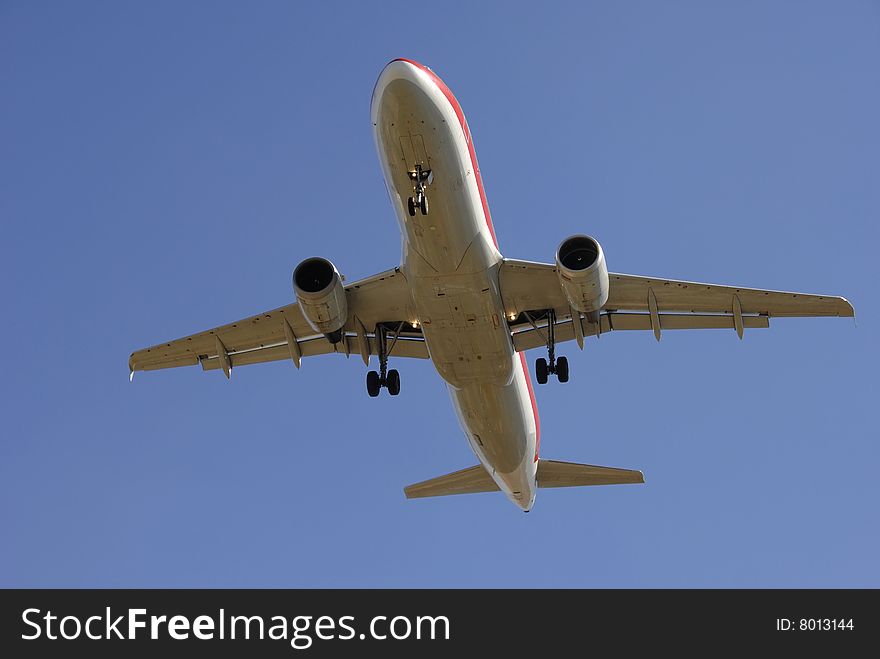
(384, 378)
(551, 365)
(421, 179)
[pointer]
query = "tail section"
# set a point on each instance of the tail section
(551, 473)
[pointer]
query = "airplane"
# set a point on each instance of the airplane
(454, 299)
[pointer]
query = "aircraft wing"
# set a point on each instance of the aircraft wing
(381, 299)
(530, 289)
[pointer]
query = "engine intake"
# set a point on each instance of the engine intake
(583, 275)
(321, 295)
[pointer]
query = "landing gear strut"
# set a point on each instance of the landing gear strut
(384, 378)
(421, 179)
(551, 365)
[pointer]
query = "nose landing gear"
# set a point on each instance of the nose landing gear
(421, 179)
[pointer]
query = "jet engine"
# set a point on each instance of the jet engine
(318, 287)
(580, 265)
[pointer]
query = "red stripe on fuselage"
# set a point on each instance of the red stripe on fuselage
(467, 134)
(522, 361)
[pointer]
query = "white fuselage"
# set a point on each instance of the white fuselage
(451, 262)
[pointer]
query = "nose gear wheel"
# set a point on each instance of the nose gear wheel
(421, 179)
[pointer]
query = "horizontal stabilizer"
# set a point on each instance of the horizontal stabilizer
(466, 481)
(551, 473)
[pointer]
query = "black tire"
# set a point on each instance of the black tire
(373, 385)
(562, 369)
(411, 206)
(541, 370)
(423, 205)
(393, 382)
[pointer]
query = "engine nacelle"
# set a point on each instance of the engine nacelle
(580, 264)
(321, 296)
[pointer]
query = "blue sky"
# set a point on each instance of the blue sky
(166, 165)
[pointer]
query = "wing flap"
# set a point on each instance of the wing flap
(530, 337)
(413, 348)
(167, 362)
(563, 330)
(676, 321)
